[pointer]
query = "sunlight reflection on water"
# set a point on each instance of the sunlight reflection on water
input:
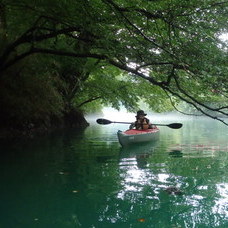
(221, 203)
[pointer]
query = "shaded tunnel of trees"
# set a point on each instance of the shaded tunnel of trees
(61, 59)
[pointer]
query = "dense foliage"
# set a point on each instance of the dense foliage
(57, 56)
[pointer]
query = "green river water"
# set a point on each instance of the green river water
(85, 179)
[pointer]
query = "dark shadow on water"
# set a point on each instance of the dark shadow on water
(61, 135)
(105, 159)
(176, 153)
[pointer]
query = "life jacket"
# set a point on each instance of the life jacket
(142, 124)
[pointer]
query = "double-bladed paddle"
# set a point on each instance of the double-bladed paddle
(172, 125)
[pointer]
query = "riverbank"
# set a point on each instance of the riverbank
(73, 119)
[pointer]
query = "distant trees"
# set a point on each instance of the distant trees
(58, 56)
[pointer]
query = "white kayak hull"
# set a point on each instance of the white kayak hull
(137, 136)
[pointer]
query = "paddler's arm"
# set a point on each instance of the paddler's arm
(151, 126)
(132, 126)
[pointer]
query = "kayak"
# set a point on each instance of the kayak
(137, 136)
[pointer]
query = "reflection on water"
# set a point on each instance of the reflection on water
(86, 179)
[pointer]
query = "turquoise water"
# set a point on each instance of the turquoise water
(85, 179)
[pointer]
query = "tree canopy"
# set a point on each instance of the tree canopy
(113, 52)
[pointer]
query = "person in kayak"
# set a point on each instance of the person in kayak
(141, 123)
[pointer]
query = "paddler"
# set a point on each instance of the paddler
(141, 123)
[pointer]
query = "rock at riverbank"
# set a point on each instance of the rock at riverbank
(28, 129)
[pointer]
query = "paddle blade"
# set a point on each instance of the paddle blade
(103, 121)
(175, 125)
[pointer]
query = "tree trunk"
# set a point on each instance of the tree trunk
(3, 34)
